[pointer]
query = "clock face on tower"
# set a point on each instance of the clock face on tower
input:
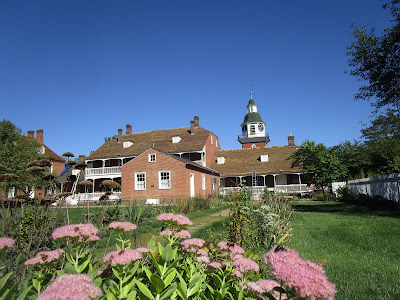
(260, 127)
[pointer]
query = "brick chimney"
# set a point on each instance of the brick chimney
(291, 141)
(128, 128)
(39, 135)
(196, 121)
(31, 134)
(192, 127)
(119, 135)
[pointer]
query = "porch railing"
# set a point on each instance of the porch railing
(103, 171)
(90, 197)
(258, 190)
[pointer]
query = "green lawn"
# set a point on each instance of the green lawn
(361, 247)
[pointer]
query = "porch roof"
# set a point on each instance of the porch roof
(242, 162)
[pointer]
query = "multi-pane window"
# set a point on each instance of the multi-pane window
(140, 181)
(152, 157)
(164, 179)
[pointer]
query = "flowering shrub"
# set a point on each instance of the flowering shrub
(179, 269)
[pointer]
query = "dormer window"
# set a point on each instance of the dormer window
(220, 160)
(176, 139)
(152, 157)
(264, 158)
(127, 144)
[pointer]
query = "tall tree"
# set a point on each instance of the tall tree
(319, 163)
(376, 60)
(16, 152)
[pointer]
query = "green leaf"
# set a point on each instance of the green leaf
(170, 276)
(151, 243)
(116, 272)
(157, 282)
(193, 281)
(167, 254)
(83, 266)
(69, 268)
(23, 295)
(3, 281)
(169, 291)
(110, 295)
(144, 289)
(36, 284)
(195, 288)
(98, 281)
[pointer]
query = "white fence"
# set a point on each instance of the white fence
(387, 186)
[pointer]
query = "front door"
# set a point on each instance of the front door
(191, 185)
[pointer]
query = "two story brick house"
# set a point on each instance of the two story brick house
(157, 164)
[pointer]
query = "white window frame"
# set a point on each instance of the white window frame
(216, 143)
(203, 182)
(140, 185)
(212, 140)
(151, 156)
(164, 184)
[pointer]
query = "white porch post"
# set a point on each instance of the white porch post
(274, 181)
(299, 181)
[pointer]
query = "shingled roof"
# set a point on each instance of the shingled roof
(245, 161)
(160, 139)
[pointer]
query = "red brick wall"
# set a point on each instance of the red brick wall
(211, 148)
(58, 167)
(258, 145)
(179, 176)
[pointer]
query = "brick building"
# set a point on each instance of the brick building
(155, 174)
(183, 156)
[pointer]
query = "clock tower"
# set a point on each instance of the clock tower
(253, 128)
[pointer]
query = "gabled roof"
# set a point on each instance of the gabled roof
(184, 160)
(160, 139)
(245, 161)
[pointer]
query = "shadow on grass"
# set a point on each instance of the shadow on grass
(348, 208)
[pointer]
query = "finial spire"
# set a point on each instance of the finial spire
(251, 95)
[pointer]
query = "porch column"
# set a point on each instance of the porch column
(274, 181)
(240, 179)
(264, 180)
(299, 181)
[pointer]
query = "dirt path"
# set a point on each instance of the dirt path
(198, 223)
(201, 222)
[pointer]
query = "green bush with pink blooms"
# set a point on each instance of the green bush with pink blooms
(180, 268)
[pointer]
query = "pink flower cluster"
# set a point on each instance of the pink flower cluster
(214, 265)
(306, 277)
(178, 219)
(245, 265)
(125, 226)
(44, 257)
(183, 234)
(143, 250)
(265, 285)
(6, 242)
(232, 248)
(83, 232)
(71, 287)
(122, 257)
(192, 245)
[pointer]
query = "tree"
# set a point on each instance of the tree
(16, 152)
(376, 60)
(318, 163)
(383, 143)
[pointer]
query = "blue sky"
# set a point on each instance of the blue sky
(80, 70)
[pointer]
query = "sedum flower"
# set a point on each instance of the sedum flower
(143, 250)
(71, 287)
(44, 257)
(125, 226)
(244, 265)
(192, 245)
(307, 278)
(170, 217)
(122, 257)
(6, 242)
(83, 232)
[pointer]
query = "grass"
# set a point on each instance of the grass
(360, 248)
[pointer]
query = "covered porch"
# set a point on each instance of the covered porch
(292, 183)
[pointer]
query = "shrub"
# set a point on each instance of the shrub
(179, 269)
